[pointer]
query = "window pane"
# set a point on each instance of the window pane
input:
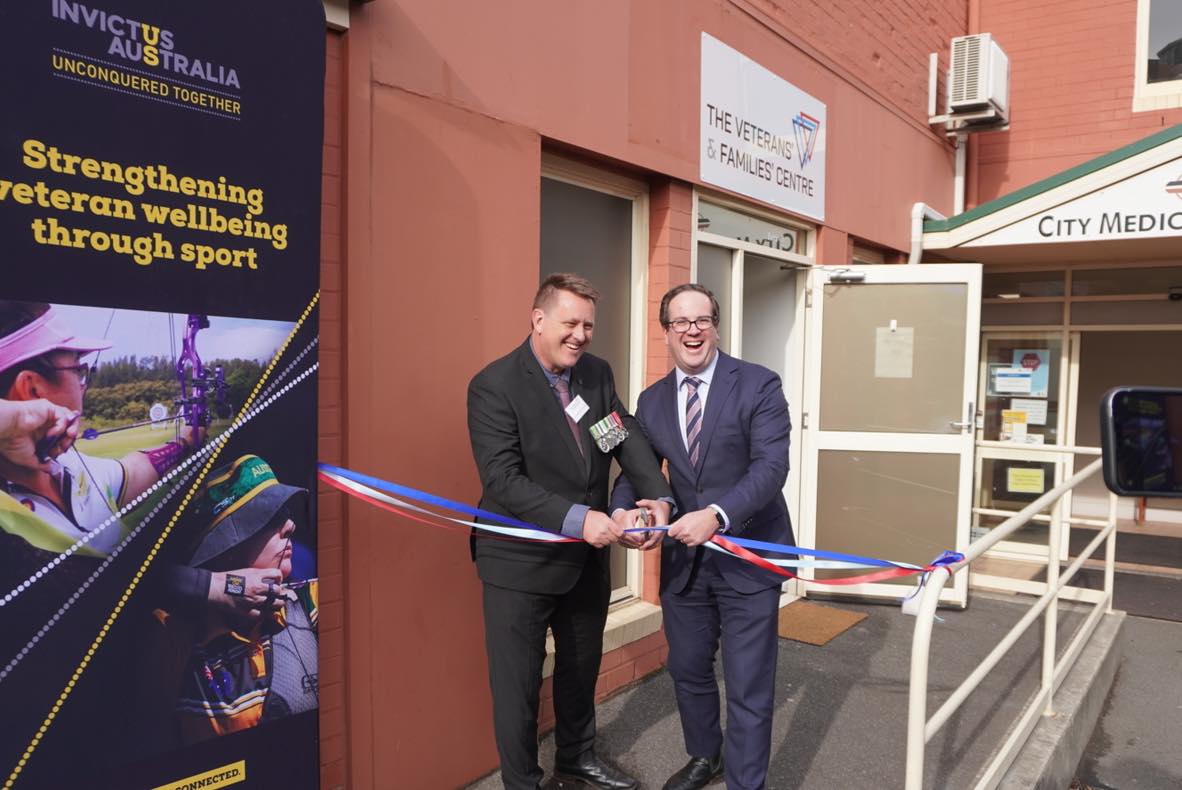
(1027, 418)
(1110, 359)
(1165, 41)
(1107, 282)
(590, 233)
(769, 311)
(1012, 485)
(714, 272)
(891, 356)
(1018, 284)
(897, 506)
(727, 222)
(1021, 314)
(1156, 312)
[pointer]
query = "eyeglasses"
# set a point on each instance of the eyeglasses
(682, 325)
(82, 369)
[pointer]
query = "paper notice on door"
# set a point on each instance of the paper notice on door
(1037, 361)
(1036, 410)
(1008, 381)
(894, 350)
(1025, 481)
(1013, 426)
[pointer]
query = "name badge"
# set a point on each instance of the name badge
(577, 408)
(609, 432)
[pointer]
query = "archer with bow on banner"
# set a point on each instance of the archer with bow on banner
(58, 495)
(68, 493)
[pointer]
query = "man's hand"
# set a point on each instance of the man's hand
(192, 438)
(25, 424)
(599, 530)
(637, 518)
(659, 508)
(659, 511)
(694, 529)
(262, 592)
(626, 520)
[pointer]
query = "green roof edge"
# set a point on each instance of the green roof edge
(1090, 166)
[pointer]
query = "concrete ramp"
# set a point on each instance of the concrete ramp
(841, 708)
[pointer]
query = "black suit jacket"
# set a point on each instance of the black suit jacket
(742, 466)
(532, 470)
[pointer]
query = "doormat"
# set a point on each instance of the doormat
(815, 624)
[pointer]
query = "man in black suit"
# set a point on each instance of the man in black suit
(540, 465)
(722, 424)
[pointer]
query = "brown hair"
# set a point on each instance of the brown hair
(680, 289)
(564, 281)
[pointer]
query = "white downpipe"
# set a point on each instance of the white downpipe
(962, 146)
(920, 212)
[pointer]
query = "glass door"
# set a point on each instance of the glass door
(890, 393)
(1023, 392)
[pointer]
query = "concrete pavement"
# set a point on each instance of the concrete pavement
(841, 709)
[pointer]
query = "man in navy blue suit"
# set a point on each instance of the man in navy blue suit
(722, 425)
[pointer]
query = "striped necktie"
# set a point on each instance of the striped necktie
(693, 418)
(563, 390)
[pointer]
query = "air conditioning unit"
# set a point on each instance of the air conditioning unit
(980, 76)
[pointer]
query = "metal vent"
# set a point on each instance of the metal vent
(966, 69)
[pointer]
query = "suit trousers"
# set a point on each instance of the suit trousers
(707, 609)
(515, 626)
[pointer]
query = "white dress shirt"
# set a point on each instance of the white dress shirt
(705, 377)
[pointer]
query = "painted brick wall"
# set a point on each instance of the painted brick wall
(330, 545)
(882, 45)
(1071, 89)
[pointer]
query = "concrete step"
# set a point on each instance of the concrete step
(1055, 747)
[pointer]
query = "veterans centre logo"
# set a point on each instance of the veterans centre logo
(807, 130)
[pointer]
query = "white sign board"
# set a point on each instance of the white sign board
(1147, 205)
(761, 136)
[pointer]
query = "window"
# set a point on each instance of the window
(750, 263)
(1158, 67)
(1085, 296)
(595, 224)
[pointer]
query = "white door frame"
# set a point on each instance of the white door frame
(960, 443)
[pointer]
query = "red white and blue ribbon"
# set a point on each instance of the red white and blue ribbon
(401, 499)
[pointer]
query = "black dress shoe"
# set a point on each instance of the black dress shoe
(697, 773)
(590, 770)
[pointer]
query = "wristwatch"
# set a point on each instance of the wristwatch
(721, 521)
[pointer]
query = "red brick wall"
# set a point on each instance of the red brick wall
(331, 541)
(882, 45)
(619, 669)
(1071, 89)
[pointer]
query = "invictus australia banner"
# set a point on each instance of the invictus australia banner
(159, 240)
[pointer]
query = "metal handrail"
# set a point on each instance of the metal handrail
(920, 729)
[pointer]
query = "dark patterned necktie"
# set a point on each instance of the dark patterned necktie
(563, 390)
(693, 418)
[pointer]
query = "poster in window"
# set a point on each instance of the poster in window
(1037, 362)
(1008, 380)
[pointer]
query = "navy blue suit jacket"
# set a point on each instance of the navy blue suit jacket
(742, 466)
